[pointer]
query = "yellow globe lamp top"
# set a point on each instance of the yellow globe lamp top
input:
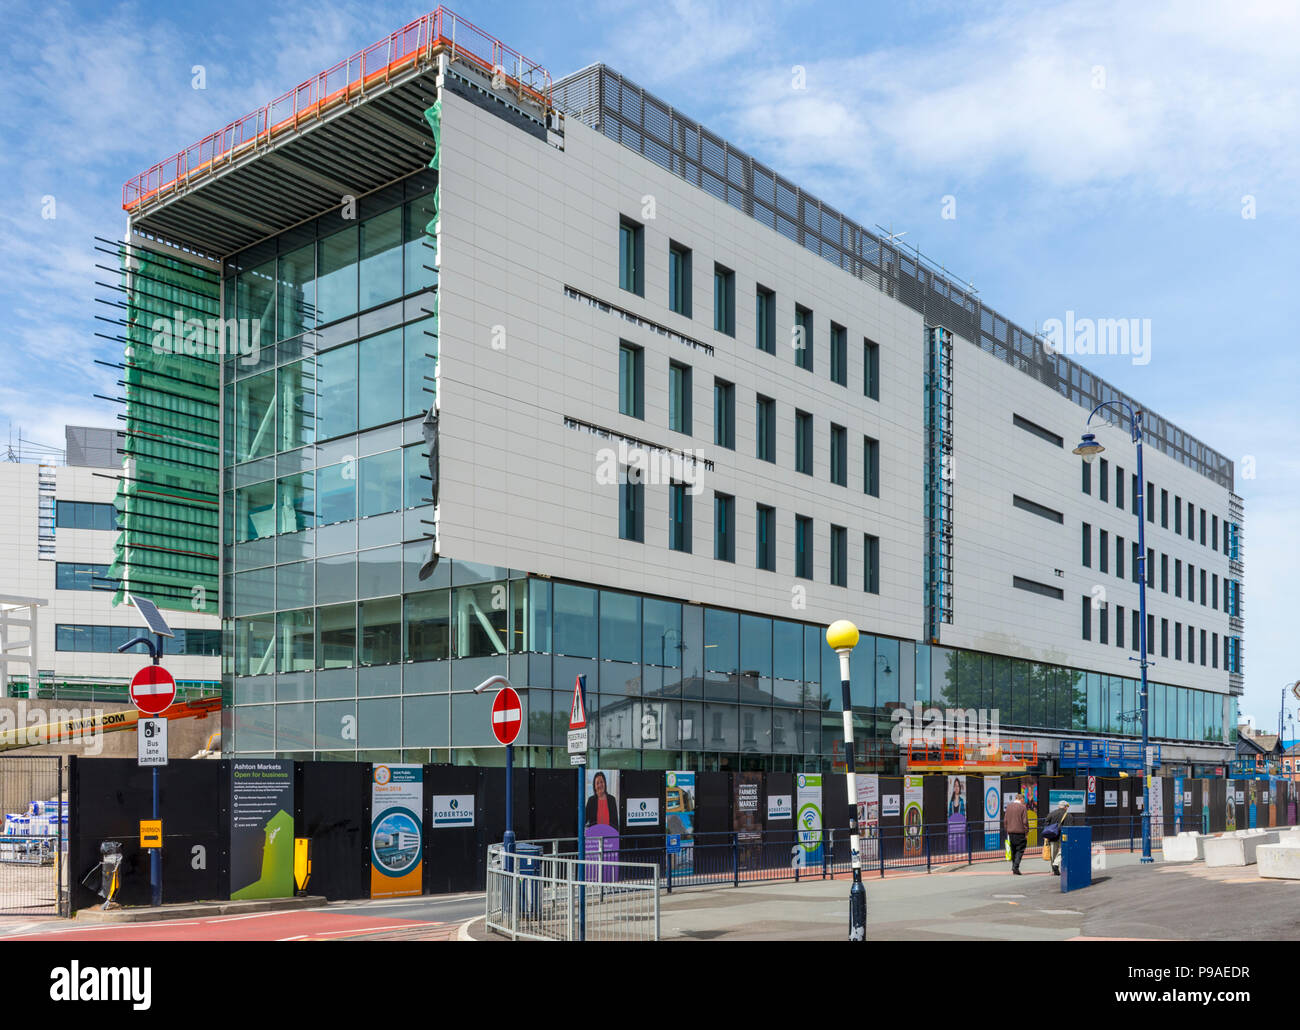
(842, 635)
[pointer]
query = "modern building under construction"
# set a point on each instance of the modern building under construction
(437, 370)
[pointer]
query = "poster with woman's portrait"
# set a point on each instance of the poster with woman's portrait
(602, 798)
(956, 814)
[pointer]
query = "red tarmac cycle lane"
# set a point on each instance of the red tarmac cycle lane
(305, 925)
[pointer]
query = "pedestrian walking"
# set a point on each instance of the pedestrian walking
(1052, 834)
(1017, 823)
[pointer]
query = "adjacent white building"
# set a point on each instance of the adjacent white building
(55, 557)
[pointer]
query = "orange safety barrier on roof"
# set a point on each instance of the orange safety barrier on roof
(442, 29)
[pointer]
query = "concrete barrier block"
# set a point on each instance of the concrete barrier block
(1233, 851)
(1279, 861)
(1186, 847)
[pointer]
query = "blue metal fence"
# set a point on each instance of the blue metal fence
(774, 855)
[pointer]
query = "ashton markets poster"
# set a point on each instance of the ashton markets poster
(261, 829)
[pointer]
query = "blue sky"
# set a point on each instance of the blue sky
(1098, 153)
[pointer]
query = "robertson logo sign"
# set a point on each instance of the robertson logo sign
(453, 809)
(643, 812)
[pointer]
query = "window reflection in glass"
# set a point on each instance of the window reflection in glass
(420, 271)
(254, 646)
(380, 483)
(380, 378)
(297, 502)
(620, 626)
(479, 615)
(255, 416)
(428, 626)
(255, 511)
(336, 387)
(297, 404)
(297, 292)
(297, 640)
(575, 620)
(336, 284)
(336, 488)
(421, 364)
(381, 258)
(381, 631)
(255, 296)
(336, 639)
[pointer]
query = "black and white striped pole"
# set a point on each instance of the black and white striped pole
(842, 636)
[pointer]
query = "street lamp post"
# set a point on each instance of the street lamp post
(1088, 449)
(842, 636)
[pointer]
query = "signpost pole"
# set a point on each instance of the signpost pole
(510, 808)
(582, 828)
(155, 854)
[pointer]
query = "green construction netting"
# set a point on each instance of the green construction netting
(433, 116)
(168, 546)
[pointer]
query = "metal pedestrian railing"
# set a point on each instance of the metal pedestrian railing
(551, 897)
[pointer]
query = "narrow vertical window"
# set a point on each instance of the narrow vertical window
(1087, 617)
(1087, 546)
(765, 538)
(724, 300)
(802, 338)
(631, 505)
(870, 466)
(803, 547)
(870, 563)
(765, 429)
(631, 379)
(679, 518)
(679, 398)
(724, 414)
(870, 370)
(839, 456)
(631, 254)
(765, 320)
(839, 556)
(724, 532)
(839, 355)
(803, 443)
(679, 279)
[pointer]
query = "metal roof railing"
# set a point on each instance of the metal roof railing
(413, 44)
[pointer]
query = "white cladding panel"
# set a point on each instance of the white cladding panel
(520, 220)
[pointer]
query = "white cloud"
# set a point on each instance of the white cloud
(1201, 105)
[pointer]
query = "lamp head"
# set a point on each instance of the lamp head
(1088, 447)
(842, 635)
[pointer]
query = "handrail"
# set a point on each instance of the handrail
(414, 43)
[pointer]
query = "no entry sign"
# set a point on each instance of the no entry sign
(153, 690)
(507, 715)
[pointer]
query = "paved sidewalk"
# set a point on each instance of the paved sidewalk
(985, 902)
(1127, 901)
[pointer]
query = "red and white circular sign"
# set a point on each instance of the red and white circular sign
(507, 715)
(153, 690)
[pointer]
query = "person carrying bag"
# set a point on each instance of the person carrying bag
(1052, 836)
